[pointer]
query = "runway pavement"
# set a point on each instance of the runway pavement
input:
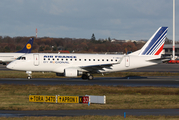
(108, 112)
(107, 81)
(3, 67)
(112, 81)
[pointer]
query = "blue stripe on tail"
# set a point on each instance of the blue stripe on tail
(155, 42)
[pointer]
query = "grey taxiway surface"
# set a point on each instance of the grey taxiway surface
(112, 81)
(112, 112)
(107, 81)
(170, 81)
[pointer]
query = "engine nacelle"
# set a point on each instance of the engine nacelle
(71, 72)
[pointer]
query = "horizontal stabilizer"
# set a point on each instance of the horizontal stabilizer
(159, 60)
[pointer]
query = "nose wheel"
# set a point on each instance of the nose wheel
(29, 74)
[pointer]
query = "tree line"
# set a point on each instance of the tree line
(47, 45)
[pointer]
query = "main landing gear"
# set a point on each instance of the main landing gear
(87, 76)
(29, 74)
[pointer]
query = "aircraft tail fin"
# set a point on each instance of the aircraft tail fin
(27, 48)
(154, 45)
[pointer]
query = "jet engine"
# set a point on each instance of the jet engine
(70, 72)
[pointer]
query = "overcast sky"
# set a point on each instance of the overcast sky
(119, 19)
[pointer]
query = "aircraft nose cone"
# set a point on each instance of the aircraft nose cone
(9, 66)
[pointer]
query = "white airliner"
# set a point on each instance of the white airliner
(8, 57)
(73, 65)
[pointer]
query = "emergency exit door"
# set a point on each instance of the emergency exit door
(36, 59)
(127, 59)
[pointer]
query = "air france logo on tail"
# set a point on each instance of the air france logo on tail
(154, 45)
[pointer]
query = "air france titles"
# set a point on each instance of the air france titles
(58, 59)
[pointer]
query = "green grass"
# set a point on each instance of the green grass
(15, 97)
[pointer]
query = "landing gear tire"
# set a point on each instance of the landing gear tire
(87, 76)
(29, 77)
(29, 74)
(90, 77)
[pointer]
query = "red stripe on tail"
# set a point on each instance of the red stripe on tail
(160, 50)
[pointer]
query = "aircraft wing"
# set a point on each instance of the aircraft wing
(95, 68)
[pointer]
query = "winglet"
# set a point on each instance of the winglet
(27, 48)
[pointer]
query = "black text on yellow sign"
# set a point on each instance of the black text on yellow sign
(36, 98)
(68, 99)
(51, 99)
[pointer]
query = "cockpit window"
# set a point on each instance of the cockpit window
(21, 58)
(18, 58)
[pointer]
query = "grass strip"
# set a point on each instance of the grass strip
(15, 97)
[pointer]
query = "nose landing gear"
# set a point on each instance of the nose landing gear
(29, 74)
